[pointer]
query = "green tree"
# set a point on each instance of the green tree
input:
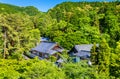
(94, 53)
(79, 70)
(29, 69)
(18, 34)
(104, 58)
(115, 62)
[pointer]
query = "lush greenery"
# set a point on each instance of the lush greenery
(68, 23)
(29, 69)
(18, 34)
(43, 69)
(7, 8)
(84, 22)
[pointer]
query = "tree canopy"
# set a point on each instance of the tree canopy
(69, 24)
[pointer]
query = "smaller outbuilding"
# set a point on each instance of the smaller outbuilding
(82, 51)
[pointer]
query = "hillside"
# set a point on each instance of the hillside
(8, 8)
(85, 22)
(82, 9)
(68, 24)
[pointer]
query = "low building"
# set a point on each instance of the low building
(82, 51)
(47, 49)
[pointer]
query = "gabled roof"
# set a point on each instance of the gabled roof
(44, 47)
(84, 47)
(83, 50)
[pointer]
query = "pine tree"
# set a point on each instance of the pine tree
(115, 62)
(104, 58)
(94, 54)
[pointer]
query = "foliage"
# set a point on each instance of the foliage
(90, 20)
(68, 23)
(115, 62)
(80, 70)
(7, 8)
(29, 69)
(103, 58)
(94, 53)
(18, 34)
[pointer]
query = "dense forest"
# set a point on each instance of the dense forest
(69, 24)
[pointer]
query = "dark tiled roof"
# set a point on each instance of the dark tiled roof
(84, 50)
(84, 47)
(44, 47)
